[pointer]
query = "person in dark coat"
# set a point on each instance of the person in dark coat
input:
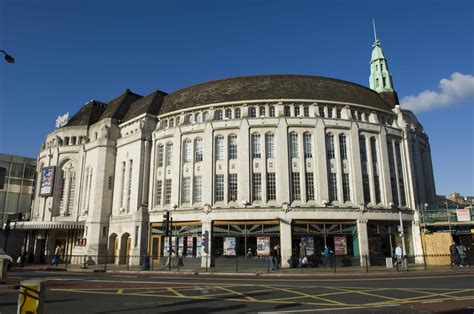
(454, 254)
(23, 256)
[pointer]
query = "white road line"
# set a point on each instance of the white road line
(431, 302)
(124, 276)
(332, 309)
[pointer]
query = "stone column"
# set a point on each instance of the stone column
(363, 237)
(417, 238)
(285, 241)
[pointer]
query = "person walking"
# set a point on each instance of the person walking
(302, 254)
(462, 254)
(57, 254)
(326, 256)
(23, 256)
(398, 255)
(275, 257)
(453, 251)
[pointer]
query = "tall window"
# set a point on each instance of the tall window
(330, 145)
(306, 111)
(294, 145)
(232, 146)
(271, 186)
(308, 145)
(219, 188)
(187, 151)
(168, 191)
(252, 112)
(122, 190)
(198, 117)
(330, 109)
(393, 176)
(160, 155)
(257, 187)
(186, 192)
(261, 111)
(228, 113)
(373, 146)
(343, 146)
(363, 148)
(401, 183)
(332, 187)
(219, 115)
(295, 186)
(159, 191)
(321, 112)
(366, 188)
(197, 189)
(238, 113)
(377, 189)
(256, 147)
(338, 113)
(232, 187)
(198, 149)
(130, 176)
(271, 110)
(89, 189)
(169, 154)
(219, 147)
(346, 187)
(287, 111)
(72, 190)
(270, 145)
(297, 111)
(63, 191)
(309, 186)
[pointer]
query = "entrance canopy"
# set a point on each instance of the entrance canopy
(36, 225)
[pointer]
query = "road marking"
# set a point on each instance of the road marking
(124, 276)
(238, 293)
(175, 292)
(425, 302)
(304, 294)
(119, 291)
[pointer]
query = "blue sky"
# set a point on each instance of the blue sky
(69, 52)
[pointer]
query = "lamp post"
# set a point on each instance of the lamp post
(8, 58)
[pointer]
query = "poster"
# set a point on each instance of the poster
(189, 246)
(166, 246)
(180, 246)
(198, 246)
(263, 246)
(340, 245)
(229, 246)
(47, 181)
(463, 214)
(309, 245)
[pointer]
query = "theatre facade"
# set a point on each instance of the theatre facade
(241, 164)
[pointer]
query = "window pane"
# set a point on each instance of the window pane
(198, 150)
(295, 186)
(294, 145)
(256, 149)
(233, 147)
(271, 186)
(270, 145)
(233, 187)
(219, 188)
(257, 187)
(219, 148)
(308, 145)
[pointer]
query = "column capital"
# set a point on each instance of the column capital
(362, 221)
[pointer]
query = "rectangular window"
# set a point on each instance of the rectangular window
(219, 148)
(308, 145)
(270, 145)
(321, 112)
(366, 188)
(338, 113)
(187, 151)
(168, 191)
(160, 155)
(400, 175)
(219, 188)
(122, 190)
(363, 149)
(330, 146)
(186, 191)
(130, 176)
(232, 147)
(257, 187)
(309, 186)
(272, 111)
(297, 111)
(159, 191)
(294, 145)
(169, 154)
(306, 111)
(256, 147)
(197, 189)
(271, 186)
(233, 187)
(295, 186)
(330, 109)
(198, 150)
(346, 187)
(377, 189)
(332, 187)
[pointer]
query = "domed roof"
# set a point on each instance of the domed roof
(272, 87)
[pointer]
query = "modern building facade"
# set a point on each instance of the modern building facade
(249, 162)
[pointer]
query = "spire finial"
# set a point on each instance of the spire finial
(376, 40)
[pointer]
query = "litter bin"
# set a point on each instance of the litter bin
(146, 263)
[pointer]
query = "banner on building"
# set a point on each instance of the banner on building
(463, 214)
(180, 246)
(263, 246)
(229, 246)
(340, 245)
(166, 246)
(189, 246)
(47, 181)
(309, 245)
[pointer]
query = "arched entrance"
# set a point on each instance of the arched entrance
(113, 248)
(125, 242)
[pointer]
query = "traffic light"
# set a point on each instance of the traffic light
(166, 223)
(205, 242)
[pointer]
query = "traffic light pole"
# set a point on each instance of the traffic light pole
(170, 234)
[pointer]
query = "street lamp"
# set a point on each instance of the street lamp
(7, 57)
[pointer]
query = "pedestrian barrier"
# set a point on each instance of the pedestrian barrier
(31, 297)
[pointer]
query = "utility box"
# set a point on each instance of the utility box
(389, 262)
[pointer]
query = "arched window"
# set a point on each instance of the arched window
(297, 111)
(205, 116)
(169, 154)
(171, 122)
(308, 145)
(197, 117)
(294, 145)
(68, 188)
(306, 111)
(219, 114)
(66, 141)
(219, 147)
(232, 146)
(256, 146)
(271, 110)
(198, 149)
(252, 112)
(228, 114)
(261, 110)
(187, 151)
(330, 145)
(165, 124)
(73, 140)
(270, 145)
(343, 146)
(237, 114)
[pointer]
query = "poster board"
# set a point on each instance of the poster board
(189, 246)
(309, 245)
(198, 246)
(229, 246)
(463, 214)
(340, 245)
(47, 181)
(263, 246)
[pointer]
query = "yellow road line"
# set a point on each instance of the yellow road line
(238, 293)
(119, 291)
(363, 293)
(175, 292)
(305, 294)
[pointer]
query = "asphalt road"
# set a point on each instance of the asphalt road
(69, 292)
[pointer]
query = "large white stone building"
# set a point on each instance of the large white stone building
(255, 160)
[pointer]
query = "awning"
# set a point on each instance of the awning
(43, 225)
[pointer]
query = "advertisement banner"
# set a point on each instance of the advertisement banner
(189, 246)
(263, 246)
(47, 181)
(180, 246)
(309, 245)
(198, 246)
(340, 245)
(229, 246)
(463, 214)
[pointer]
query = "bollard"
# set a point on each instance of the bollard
(366, 265)
(206, 262)
(237, 264)
(31, 297)
(335, 264)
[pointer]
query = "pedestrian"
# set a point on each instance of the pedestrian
(275, 257)
(249, 252)
(302, 254)
(326, 253)
(23, 256)
(453, 250)
(57, 254)
(462, 254)
(398, 255)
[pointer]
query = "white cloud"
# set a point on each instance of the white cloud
(458, 88)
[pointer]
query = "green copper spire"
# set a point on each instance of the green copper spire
(380, 79)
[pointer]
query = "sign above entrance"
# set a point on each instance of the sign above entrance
(463, 214)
